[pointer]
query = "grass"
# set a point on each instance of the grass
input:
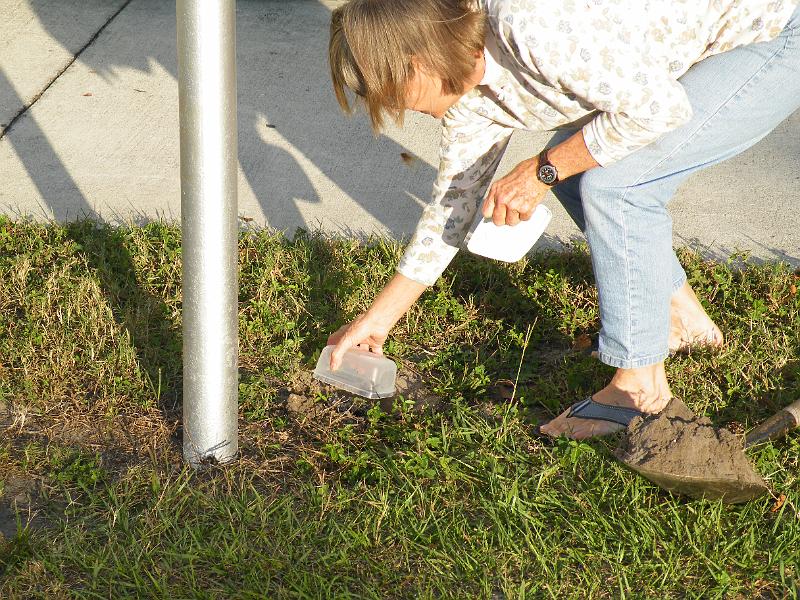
(464, 503)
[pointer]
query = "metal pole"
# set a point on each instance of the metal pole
(207, 103)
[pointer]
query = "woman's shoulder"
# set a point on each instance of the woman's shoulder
(537, 18)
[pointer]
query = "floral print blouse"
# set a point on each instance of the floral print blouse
(610, 67)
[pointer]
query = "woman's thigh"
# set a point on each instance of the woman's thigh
(737, 98)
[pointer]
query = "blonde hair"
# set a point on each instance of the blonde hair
(372, 42)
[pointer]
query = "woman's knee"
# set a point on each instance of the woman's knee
(603, 187)
(598, 191)
(600, 181)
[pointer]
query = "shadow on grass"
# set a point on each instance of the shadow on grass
(143, 315)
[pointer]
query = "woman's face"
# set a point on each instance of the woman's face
(425, 95)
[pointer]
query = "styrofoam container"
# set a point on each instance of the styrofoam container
(508, 243)
(362, 372)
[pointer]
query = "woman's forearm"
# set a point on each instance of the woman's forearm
(571, 156)
(396, 298)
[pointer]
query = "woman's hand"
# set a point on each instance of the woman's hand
(370, 329)
(367, 332)
(513, 198)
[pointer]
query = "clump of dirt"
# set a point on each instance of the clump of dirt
(304, 393)
(688, 455)
(412, 387)
(16, 496)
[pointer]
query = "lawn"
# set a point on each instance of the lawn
(338, 499)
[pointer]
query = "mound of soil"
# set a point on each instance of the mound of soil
(688, 455)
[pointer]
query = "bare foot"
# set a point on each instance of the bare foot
(645, 389)
(690, 326)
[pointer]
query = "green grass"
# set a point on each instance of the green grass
(465, 503)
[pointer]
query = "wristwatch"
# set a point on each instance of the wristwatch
(546, 171)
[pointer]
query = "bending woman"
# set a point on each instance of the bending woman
(650, 91)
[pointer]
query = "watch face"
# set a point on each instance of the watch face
(548, 174)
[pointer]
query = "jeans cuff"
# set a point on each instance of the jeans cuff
(623, 363)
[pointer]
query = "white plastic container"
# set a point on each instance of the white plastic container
(508, 243)
(362, 372)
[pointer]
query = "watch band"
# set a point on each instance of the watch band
(546, 171)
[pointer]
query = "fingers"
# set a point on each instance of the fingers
(499, 214)
(334, 338)
(369, 347)
(352, 335)
(338, 353)
(505, 211)
(349, 336)
(512, 217)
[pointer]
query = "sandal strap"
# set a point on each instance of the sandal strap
(590, 409)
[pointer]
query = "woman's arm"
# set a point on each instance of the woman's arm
(470, 150)
(370, 329)
(514, 197)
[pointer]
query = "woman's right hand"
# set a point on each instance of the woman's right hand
(370, 329)
(367, 332)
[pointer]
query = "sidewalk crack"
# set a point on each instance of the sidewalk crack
(75, 57)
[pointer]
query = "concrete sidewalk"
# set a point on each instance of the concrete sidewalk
(102, 138)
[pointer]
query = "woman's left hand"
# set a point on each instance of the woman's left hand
(513, 198)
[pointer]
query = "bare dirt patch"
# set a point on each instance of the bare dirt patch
(306, 396)
(16, 497)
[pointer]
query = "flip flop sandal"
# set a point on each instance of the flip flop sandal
(590, 409)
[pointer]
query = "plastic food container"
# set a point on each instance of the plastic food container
(506, 242)
(362, 372)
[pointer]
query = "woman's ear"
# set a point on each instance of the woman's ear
(417, 65)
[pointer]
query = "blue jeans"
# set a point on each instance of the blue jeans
(737, 97)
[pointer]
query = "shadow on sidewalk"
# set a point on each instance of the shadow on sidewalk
(284, 97)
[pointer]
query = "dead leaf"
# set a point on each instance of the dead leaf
(793, 290)
(88, 94)
(408, 158)
(778, 503)
(582, 342)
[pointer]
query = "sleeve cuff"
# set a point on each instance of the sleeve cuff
(594, 146)
(610, 137)
(411, 274)
(426, 266)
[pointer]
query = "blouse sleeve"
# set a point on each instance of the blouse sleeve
(602, 62)
(637, 103)
(470, 150)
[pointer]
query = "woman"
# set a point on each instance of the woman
(651, 91)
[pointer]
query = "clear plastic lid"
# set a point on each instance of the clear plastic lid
(362, 372)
